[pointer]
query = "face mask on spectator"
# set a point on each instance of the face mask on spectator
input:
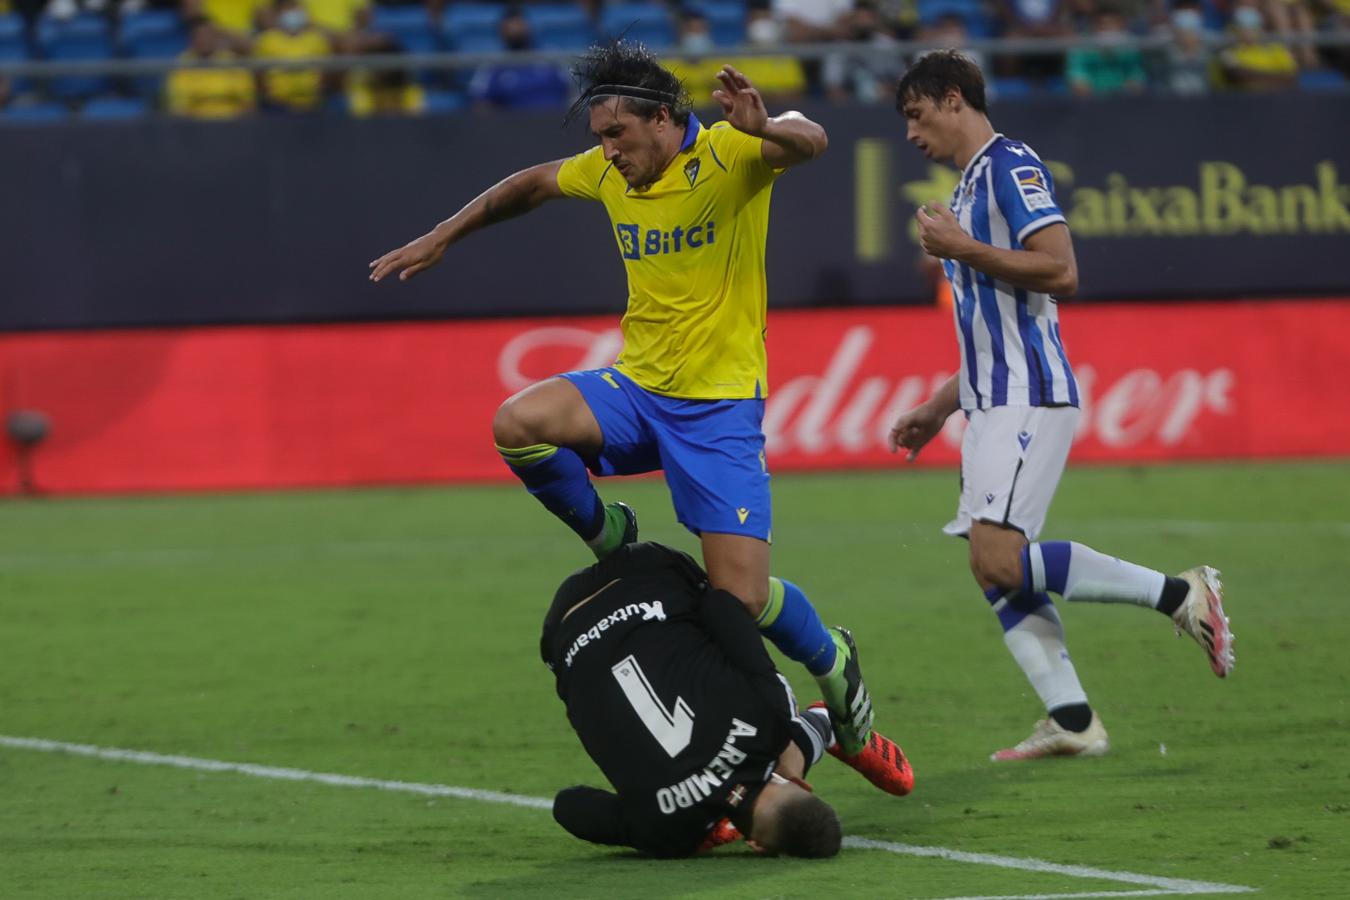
(292, 19)
(763, 31)
(1188, 20)
(1111, 38)
(1247, 17)
(697, 43)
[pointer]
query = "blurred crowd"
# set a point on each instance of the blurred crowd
(1199, 46)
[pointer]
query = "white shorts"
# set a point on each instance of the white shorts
(1012, 458)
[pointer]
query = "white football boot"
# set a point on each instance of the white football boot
(1201, 616)
(1051, 739)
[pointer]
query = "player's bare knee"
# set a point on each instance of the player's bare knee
(512, 426)
(757, 600)
(996, 564)
(753, 600)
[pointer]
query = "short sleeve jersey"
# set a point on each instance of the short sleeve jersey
(693, 245)
(683, 732)
(1012, 353)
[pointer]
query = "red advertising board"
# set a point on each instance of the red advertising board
(287, 406)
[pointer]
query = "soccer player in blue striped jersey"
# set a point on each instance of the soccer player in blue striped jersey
(1005, 245)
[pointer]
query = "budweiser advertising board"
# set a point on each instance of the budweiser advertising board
(287, 406)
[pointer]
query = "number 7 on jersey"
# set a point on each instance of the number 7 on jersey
(672, 729)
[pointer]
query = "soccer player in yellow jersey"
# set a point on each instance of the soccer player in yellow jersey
(689, 212)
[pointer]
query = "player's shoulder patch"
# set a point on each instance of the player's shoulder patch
(1033, 186)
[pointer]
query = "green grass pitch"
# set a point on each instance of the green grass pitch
(392, 634)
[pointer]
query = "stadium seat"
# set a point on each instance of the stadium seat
(443, 103)
(648, 23)
(119, 109)
(149, 23)
(85, 37)
(409, 25)
(1322, 80)
(34, 113)
(11, 31)
(969, 11)
(562, 27)
(16, 53)
(469, 23)
(1010, 88)
(479, 43)
(154, 46)
(726, 19)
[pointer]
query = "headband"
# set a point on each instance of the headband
(635, 93)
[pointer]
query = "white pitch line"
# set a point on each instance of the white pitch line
(1170, 885)
(1157, 893)
(1162, 886)
(213, 765)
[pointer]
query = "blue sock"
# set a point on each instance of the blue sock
(557, 478)
(1012, 608)
(793, 625)
(1045, 566)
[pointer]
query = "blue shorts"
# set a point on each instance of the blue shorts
(712, 451)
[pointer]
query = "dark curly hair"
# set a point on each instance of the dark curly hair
(627, 69)
(938, 72)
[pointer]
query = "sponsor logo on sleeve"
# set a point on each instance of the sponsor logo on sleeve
(1032, 186)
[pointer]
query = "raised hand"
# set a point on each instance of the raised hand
(741, 103)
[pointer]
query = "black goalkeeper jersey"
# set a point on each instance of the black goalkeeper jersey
(673, 695)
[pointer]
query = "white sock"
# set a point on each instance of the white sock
(1037, 643)
(1091, 576)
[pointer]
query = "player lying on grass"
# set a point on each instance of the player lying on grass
(669, 686)
(689, 211)
(1006, 248)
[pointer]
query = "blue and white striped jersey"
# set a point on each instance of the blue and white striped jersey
(1011, 351)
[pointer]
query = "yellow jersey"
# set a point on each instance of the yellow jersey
(693, 245)
(210, 93)
(296, 89)
(772, 76)
(237, 16)
(338, 16)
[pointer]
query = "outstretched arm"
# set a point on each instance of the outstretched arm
(512, 196)
(789, 139)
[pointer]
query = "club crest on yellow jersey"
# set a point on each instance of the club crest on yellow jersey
(691, 170)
